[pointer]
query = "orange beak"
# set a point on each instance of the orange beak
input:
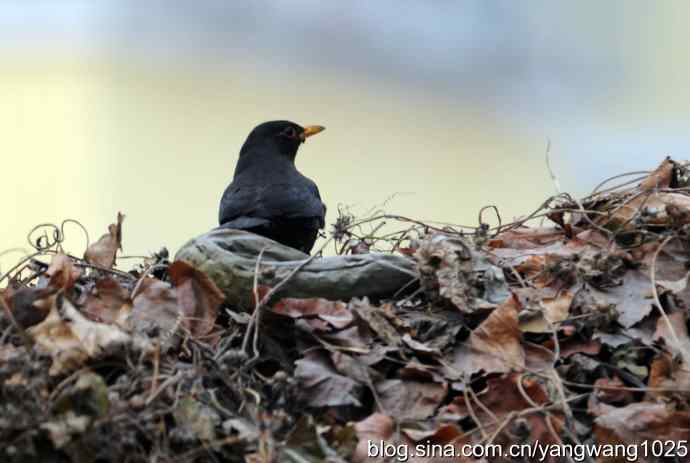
(311, 130)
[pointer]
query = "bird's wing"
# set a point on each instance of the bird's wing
(275, 201)
(322, 214)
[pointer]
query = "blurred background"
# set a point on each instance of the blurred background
(141, 107)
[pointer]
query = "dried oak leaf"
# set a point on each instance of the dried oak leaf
(61, 273)
(198, 297)
(495, 346)
(102, 252)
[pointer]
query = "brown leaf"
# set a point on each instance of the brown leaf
(495, 345)
(376, 436)
(71, 339)
(107, 302)
(660, 178)
(374, 429)
(670, 371)
(527, 238)
(155, 310)
(501, 398)
(376, 319)
(419, 347)
(632, 300)
(198, 296)
(575, 345)
(321, 385)
(553, 310)
(653, 208)
(102, 252)
(643, 421)
(61, 273)
(672, 330)
(411, 400)
(31, 306)
(613, 391)
(335, 313)
(445, 267)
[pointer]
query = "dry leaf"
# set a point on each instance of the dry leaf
(198, 297)
(334, 313)
(638, 422)
(321, 385)
(661, 177)
(107, 302)
(495, 345)
(71, 339)
(61, 273)
(31, 306)
(502, 398)
(410, 400)
(102, 252)
(155, 310)
(375, 428)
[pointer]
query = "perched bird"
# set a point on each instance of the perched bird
(268, 195)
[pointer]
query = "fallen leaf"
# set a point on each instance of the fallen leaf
(377, 321)
(107, 302)
(669, 375)
(632, 299)
(61, 273)
(660, 178)
(198, 297)
(526, 238)
(321, 385)
(31, 306)
(375, 429)
(102, 253)
(155, 310)
(334, 313)
(613, 391)
(638, 422)
(553, 310)
(503, 399)
(411, 400)
(495, 346)
(71, 339)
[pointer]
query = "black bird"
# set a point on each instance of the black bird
(268, 195)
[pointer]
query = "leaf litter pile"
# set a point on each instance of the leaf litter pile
(568, 326)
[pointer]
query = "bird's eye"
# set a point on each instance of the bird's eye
(290, 132)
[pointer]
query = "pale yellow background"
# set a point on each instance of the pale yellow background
(99, 114)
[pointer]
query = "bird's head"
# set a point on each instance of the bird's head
(285, 136)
